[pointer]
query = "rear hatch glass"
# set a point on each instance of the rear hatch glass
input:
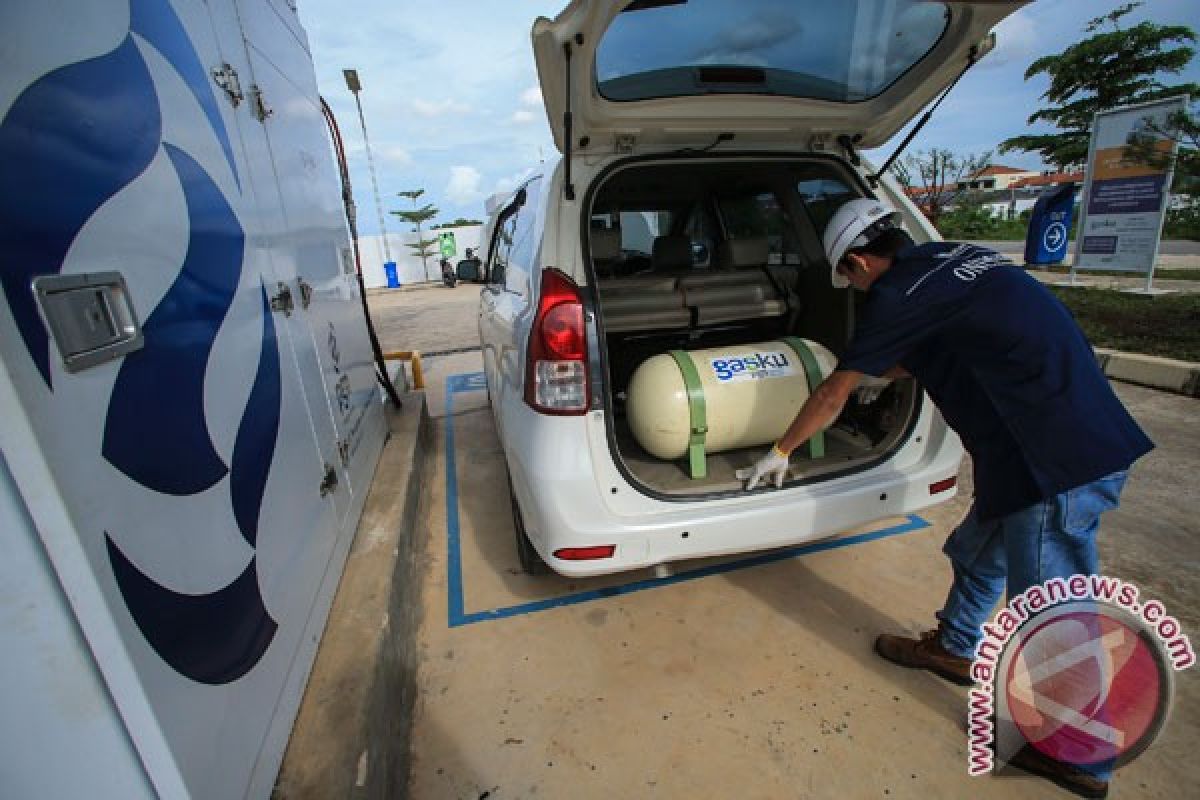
(844, 51)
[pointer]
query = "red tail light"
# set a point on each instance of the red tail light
(585, 553)
(942, 486)
(556, 374)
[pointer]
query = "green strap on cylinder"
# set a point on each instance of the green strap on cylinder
(812, 373)
(696, 409)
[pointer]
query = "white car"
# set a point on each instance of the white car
(704, 146)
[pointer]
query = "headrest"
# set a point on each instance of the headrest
(735, 253)
(671, 252)
(606, 243)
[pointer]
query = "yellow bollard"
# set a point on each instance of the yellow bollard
(414, 358)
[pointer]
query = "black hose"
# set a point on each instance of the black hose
(381, 373)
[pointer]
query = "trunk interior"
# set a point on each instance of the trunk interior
(699, 253)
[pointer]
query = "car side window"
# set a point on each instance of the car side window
(502, 246)
(524, 241)
(699, 229)
(822, 196)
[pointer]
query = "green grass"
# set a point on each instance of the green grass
(1167, 325)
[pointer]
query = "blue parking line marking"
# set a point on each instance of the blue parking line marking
(457, 616)
(454, 588)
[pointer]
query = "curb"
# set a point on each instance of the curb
(421, 286)
(1168, 374)
(407, 287)
(351, 735)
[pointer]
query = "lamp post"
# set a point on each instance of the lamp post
(355, 86)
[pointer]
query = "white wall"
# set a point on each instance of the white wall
(408, 265)
(1001, 208)
(1004, 181)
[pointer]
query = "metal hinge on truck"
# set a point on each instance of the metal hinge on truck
(258, 104)
(306, 292)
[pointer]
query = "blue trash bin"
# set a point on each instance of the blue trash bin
(1050, 226)
(393, 278)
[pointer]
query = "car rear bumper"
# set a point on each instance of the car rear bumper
(566, 504)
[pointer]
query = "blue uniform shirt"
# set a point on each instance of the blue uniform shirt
(1007, 366)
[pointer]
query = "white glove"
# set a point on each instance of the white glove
(772, 466)
(869, 390)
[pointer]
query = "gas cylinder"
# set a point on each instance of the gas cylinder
(751, 394)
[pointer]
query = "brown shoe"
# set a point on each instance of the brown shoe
(925, 653)
(1073, 779)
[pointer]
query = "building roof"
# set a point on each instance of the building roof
(1000, 169)
(1052, 179)
(917, 191)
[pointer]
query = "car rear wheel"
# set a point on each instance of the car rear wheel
(530, 560)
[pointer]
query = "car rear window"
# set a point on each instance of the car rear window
(842, 51)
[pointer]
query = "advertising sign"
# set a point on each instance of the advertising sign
(447, 245)
(1125, 200)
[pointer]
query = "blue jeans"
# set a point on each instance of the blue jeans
(1055, 538)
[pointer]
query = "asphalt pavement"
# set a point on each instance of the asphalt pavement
(756, 681)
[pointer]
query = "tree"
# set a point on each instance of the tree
(1181, 127)
(415, 217)
(461, 222)
(932, 177)
(1108, 69)
(424, 249)
(968, 222)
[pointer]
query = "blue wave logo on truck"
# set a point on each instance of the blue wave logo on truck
(70, 142)
(758, 365)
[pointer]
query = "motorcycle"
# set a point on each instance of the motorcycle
(449, 278)
(469, 268)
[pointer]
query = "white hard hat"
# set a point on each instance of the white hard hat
(854, 225)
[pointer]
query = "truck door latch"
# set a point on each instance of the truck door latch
(329, 482)
(227, 78)
(282, 300)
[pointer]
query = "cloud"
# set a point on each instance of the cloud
(509, 182)
(746, 42)
(438, 108)
(396, 156)
(463, 186)
(523, 116)
(1016, 41)
(430, 104)
(531, 97)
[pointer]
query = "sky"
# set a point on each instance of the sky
(452, 105)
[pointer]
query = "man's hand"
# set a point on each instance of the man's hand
(773, 466)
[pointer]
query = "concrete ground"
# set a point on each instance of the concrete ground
(753, 681)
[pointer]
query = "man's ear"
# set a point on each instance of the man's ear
(857, 262)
